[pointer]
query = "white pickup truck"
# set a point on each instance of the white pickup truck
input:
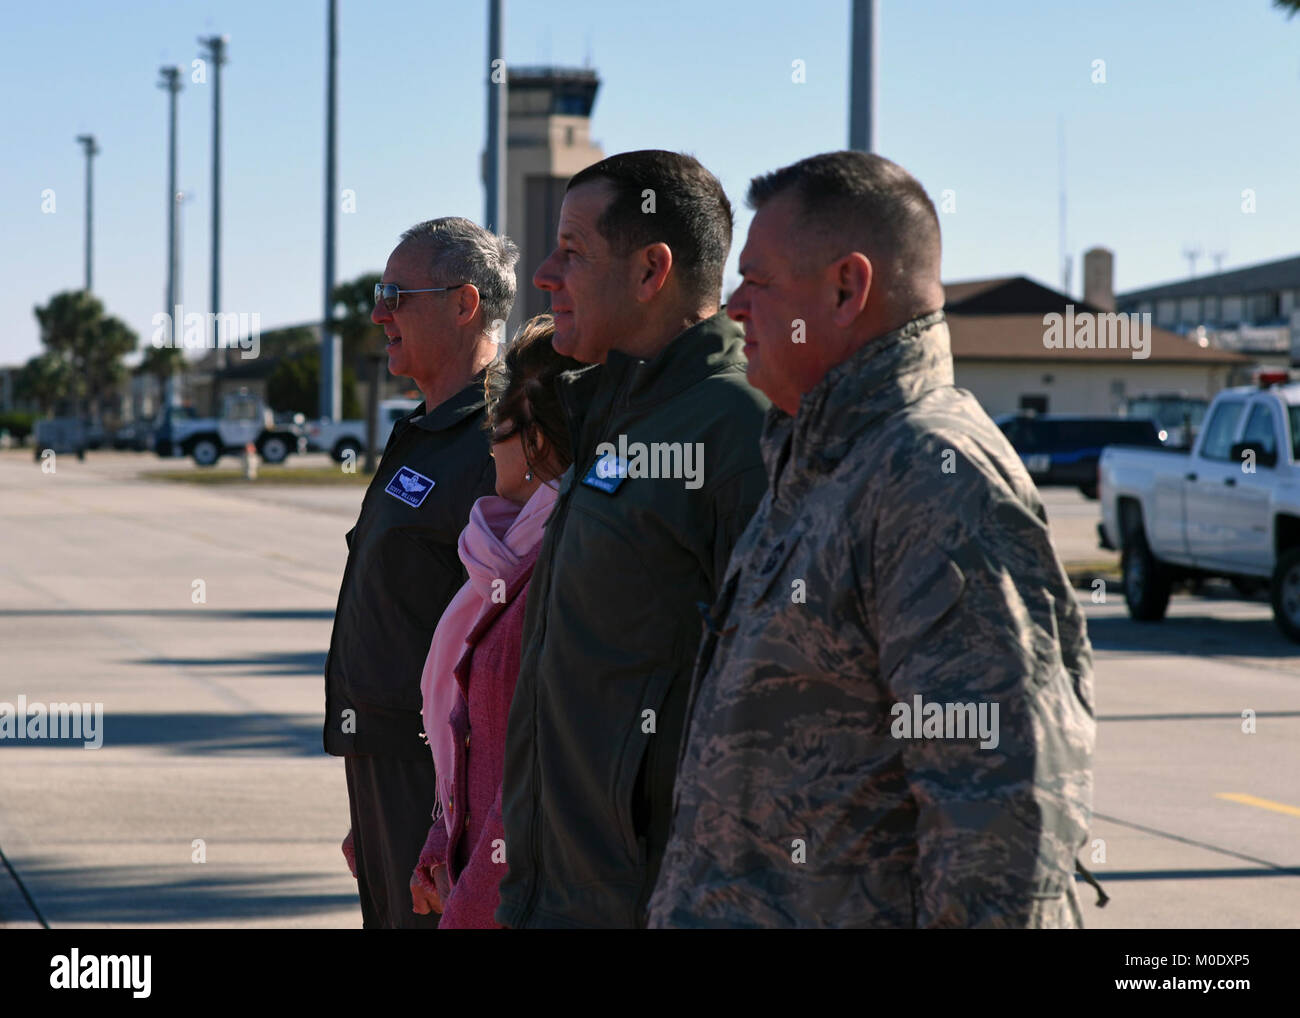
(244, 420)
(1228, 508)
(339, 438)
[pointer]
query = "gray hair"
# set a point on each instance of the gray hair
(464, 252)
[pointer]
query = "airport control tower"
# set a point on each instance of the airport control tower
(548, 140)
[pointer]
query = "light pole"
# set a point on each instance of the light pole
(330, 353)
(862, 76)
(376, 361)
(181, 198)
(170, 82)
(88, 144)
(494, 218)
(179, 291)
(215, 53)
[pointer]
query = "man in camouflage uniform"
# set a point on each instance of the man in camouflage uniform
(899, 565)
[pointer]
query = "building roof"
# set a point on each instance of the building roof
(956, 293)
(1019, 337)
(546, 91)
(545, 75)
(1001, 319)
(1283, 274)
(1007, 295)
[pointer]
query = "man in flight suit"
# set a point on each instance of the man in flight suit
(444, 297)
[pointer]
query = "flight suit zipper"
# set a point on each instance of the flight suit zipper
(557, 520)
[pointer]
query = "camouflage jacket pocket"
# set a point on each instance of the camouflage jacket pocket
(770, 564)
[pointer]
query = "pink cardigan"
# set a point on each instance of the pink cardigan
(498, 537)
(470, 836)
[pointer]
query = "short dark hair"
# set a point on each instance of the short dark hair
(856, 201)
(521, 391)
(692, 214)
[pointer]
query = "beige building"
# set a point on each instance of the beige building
(548, 140)
(1000, 346)
(1253, 310)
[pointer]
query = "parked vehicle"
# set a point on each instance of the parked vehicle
(62, 434)
(1062, 450)
(133, 435)
(169, 417)
(96, 436)
(339, 438)
(1228, 508)
(293, 423)
(244, 419)
(1178, 416)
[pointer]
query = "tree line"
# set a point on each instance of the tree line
(81, 370)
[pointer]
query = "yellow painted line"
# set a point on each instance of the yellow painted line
(1250, 800)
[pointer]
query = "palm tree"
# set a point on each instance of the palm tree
(1292, 7)
(45, 379)
(359, 334)
(75, 329)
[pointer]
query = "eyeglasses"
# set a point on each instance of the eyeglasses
(392, 296)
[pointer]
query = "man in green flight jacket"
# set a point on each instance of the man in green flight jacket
(666, 474)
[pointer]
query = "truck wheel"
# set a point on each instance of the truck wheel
(206, 452)
(1089, 491)
(344, 447)
(1286, 594)
(274, 449)
(1147, 583)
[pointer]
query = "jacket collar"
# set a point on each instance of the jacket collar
(469, 401)
(887, 373)
(701, 350)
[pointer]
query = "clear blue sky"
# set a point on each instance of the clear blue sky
(1200, 103)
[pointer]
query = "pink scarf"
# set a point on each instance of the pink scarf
(499, 534)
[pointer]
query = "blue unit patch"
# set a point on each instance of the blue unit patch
(410, 486)
(606, 474)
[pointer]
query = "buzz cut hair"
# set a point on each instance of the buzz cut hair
(856, 201)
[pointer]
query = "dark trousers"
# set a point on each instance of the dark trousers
(391, 801)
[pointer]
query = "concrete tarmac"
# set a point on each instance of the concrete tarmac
(213, 709)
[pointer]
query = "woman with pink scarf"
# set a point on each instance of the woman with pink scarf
(469, 676)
